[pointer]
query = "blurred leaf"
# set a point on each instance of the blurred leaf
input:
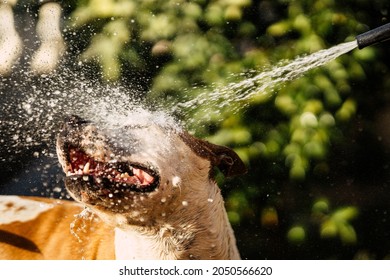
(345, 214)
(296, 234)
(269, 217)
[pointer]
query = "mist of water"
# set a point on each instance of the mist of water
(32, 108)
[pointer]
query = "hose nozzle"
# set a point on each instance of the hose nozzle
(377, 35)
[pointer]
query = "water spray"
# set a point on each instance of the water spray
(377, 35)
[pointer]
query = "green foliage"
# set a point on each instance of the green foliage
(296, 234)
(332, 224)
(284, 134)
(335, 223)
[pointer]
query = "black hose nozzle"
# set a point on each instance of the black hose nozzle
(377, 35)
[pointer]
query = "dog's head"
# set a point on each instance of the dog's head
(138, 172)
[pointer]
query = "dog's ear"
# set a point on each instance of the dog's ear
(222, 157)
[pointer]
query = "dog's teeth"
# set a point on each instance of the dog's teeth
(125, 176)
(86, 168)
(85, 178)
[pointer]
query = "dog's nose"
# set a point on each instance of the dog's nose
(74, 120)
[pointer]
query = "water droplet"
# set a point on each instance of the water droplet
(176, 181)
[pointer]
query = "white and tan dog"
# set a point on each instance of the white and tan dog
(147, 190)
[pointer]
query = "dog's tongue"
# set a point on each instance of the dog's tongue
(139, 177)
(143, 177)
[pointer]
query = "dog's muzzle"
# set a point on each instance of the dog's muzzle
(94, 175)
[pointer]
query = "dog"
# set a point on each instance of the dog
(142, 190)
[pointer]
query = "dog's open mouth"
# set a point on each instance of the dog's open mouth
(112, 176)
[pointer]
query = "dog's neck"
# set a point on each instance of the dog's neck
(205, 233)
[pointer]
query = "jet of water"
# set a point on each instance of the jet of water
(32, 109)
(236, 95)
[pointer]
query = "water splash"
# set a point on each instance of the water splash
(81, 223)
(236, 95)
(32, 108)
(32, 115)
